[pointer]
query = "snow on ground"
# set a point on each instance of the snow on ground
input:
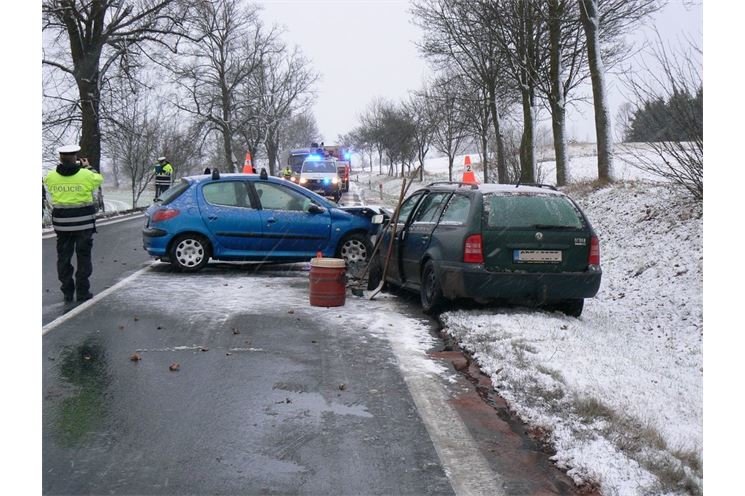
(618, 392)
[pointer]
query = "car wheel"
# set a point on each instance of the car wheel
(375, 272)
(189, 252)
(355, 249)
(430, 291)
(572, 307)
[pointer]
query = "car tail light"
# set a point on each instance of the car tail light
(473, 252)
(594, 257)
(165, 214)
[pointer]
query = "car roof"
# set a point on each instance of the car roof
(498, 188)
(208, 177)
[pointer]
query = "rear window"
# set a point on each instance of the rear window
(174, 192)
(530, 210)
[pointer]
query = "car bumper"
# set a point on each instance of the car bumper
(155, 242)
(473, 281)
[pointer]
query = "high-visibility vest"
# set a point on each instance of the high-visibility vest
(73, 205)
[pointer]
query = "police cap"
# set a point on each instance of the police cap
(161, 158)
(68, 149)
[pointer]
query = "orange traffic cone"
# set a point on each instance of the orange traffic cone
(468, 176)
(248, 167)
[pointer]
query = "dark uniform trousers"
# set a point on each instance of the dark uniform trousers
(81, 243)
(74, 226)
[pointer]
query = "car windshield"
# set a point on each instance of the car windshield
(530, 210)
(319, 166)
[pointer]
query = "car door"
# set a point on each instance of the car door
(394, 272)
(416, 236)
(289, 228)
(234, 224)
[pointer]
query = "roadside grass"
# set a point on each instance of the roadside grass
(675, 469)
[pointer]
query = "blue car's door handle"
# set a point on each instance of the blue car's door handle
(271, 220)
(212, 217)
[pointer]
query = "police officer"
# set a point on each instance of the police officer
(72, 189)
(163, 170)
(287, 173)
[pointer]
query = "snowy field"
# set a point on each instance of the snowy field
(618, 392)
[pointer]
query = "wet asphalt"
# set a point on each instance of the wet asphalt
(283, 407)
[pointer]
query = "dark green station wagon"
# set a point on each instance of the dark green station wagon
(526, 244)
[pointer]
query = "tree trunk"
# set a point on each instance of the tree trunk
(591, 23)
(90, 139)
(228, 150)
(496, 119)
(556, 98)
(527, 145)
(272, 149)
(484, 160)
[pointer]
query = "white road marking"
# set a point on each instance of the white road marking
(83, 306)
(468, 471)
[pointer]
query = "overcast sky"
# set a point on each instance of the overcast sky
(366, 49)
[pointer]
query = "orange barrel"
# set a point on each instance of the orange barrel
(328, 286)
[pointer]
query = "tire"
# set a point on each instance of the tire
(375, 272)
(572, 307)
(430, 292)
(189, 252)
(355, 249)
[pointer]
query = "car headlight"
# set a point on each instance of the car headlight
(303, 180)
(335, 180)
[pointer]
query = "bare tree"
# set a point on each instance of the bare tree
(87, 39)
(300, 131)
(420, 110)
(604, 22)
(233, 45)
(476, 115)
(372, 124)
(565, 71)
(676, 80)
(450, 132)
(284, 84)
(624, 116)
(460, 33)
(522, 36)
(136, 140)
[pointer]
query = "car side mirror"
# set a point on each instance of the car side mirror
(315, 209)
(378, 219)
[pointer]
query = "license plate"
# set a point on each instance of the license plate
(536, 256)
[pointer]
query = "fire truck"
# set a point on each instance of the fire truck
(342, 154)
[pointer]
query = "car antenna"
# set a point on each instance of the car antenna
(263, 173)
(518, 181)
(215, 174)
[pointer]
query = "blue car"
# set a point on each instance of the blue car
(251, 217)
